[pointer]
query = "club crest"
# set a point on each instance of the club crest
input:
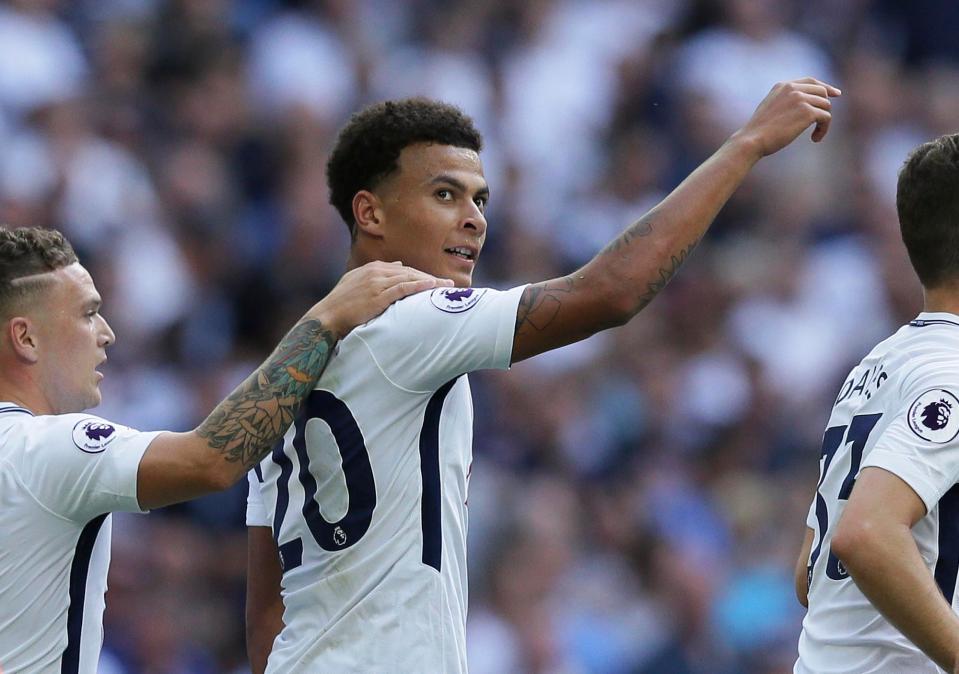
(93, 435)
(455, 300)
(934, 416)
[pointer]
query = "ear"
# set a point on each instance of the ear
(368, 214)
(22, 334)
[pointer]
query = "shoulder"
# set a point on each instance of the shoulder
(929, 387)
(443, 309)
(87, 433)
(930, 353)
(441, 302)
(424, 340)
(62, 435)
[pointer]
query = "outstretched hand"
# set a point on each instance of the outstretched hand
(789, 109)
(365, 292)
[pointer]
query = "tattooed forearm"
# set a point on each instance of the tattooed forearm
(663, 277)
(540, 304)
(640, 228)
(246, 425)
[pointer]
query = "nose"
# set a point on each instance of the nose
(106, 334)
(475, 220)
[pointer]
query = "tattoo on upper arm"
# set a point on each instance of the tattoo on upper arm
(246, 425)
(540, 304)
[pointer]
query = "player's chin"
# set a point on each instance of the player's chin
(94, 398)
(460, 275)
(459, 270)
(461, 280)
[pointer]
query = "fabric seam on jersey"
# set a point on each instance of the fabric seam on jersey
(19, 479)
(386, 376)
(16, 408)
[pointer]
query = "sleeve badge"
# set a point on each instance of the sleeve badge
(93, 435)
(456, 300)
(934, 416)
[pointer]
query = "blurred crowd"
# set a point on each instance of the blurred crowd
(637, 500)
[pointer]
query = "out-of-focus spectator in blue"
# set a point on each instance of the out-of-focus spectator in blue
(647, 519)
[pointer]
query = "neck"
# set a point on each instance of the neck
(362, 252)
(35, 404)
(354, 260)
(20, 385)
(941, 299)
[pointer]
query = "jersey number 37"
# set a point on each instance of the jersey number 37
(855, 435)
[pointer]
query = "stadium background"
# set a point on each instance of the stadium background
(637, 500)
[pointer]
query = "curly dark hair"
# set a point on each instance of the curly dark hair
(927, 199)
(28, 251)
(368, 147)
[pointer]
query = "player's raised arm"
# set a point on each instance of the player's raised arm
(626, 275)
(245, 426)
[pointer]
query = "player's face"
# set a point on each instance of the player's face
(72, 340)
(433, 209)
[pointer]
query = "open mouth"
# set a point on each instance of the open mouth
(462, 253)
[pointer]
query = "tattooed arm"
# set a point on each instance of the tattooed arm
(626, 275)
(245, 426)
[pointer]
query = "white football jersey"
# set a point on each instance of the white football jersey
(366, 494)
(898, 410)
(60, 476)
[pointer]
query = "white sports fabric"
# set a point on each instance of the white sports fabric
(59, 477)
(898, 410)
(367, 493)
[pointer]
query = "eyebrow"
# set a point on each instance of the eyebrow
(458, 184)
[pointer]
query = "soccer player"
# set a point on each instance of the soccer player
(879, 561)
(358, 519)
(62, 472)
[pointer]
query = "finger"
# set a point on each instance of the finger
(436, 282)
(830, 89)
(820, 102)
(397, 275)
(810, 88)
(822, 126)
(401, 290)
(408, 275)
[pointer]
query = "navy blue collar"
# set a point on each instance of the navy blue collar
(10, 407)
(921, 322)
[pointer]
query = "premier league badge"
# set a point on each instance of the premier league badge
(93, 435)
(455, 300)
(934, 416)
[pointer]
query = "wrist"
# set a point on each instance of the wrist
(747, 146)
(329, 321)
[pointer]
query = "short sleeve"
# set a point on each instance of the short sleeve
(921, 443)
(811, 520)
(255, 510)
(423, 341)
(81, 466)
